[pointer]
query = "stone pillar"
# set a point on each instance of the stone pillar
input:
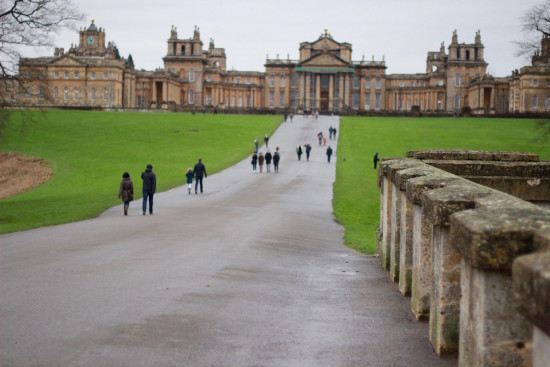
(439, 205)
(405, 247)
(386, 234)
(395, 233)
(307, 91)
(346, 91)
(341, 92)
(331, 92)
(492, 332)
(318, 91)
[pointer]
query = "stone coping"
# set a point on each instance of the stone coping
(531, 282)
(491, 168)
(472, 155)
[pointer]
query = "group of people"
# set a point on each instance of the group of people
(307, 149)
(260, 159)
(149, 187)
(287, 115)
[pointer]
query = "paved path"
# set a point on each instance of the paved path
(251, 273)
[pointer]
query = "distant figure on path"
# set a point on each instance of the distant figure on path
(376, 160)
(299, 152)
(261, 161)
(254, 161)
(308, 150)
(291, 115)
(256, 145)
(285, 114)
(199, 171)
(126, 191)
(330, 132)
(149, 187)
(268, 158)
(266, 140)
(189, 175)
(276, 158)
(329, 153)
(334, 132)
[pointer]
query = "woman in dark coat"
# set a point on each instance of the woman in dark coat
(299, 152)
(276, 158)
(254, 161)
(126, 191)
(268, 158)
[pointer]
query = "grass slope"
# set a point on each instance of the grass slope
(90, 150)
(356, 195)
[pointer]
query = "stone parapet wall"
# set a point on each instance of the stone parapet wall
(450, 243)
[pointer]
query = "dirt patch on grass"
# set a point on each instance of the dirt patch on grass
(19, 174)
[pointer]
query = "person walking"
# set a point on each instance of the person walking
(254, 161)
(285, 114)
(330, 132)
(149, 187)
(268, 158)
(276, 158)
(126, 191)
(308, 150)
(329, 153)
(266, 141)
(334, 132)
(291, 115)
(189, 175)
(299, 152)
(376, 159)
(256, 145)
(261, 161)
(199, 171)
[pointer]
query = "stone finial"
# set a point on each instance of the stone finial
(455, 37)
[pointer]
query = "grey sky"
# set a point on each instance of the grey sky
(401, 30)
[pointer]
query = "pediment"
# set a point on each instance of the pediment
(326, 44)
(325, 59)
(66, 61)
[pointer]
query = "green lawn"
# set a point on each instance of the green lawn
(356, 195)
(89, 151)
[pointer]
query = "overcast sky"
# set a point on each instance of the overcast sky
(402, 31)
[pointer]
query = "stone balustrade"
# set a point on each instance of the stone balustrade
(451, 225)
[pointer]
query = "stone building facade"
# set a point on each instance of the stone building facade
(324, 78)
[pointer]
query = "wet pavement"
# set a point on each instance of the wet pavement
(253, 272)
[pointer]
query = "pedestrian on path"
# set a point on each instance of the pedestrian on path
(334, 132)
(126, 191)
(308, 150)
(329, 153)
(299, 152)
(268, 158)
(261, 161)
(199, 171)
(149, 187)
(276, 158)
(254, 161)
(291, 115)
(256, 145)
(330, 132)
(376, 159)
(189, 175)
(285, 114)
(266, 141)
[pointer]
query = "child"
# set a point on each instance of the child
(126, 191)
(189, 175)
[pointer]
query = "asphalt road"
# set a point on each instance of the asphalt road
(251, 273)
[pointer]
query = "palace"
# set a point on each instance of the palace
(325, 78)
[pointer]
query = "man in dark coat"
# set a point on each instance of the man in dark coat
(200, 171)
(268, 158)
(149, 187)
(376, 160)
(329, 153)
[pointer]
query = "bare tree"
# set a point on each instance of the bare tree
(535, 24)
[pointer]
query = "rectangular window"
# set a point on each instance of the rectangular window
(547, 83)
(92, 94)
(105, 75)
(66, 74)
(535, 102)
(209, 99)
(247, 101)
(247, 81)
(93, 75)
(355, 101)
(232, 101)
(66, 94)
(356, 81)
(41, 93)
(191, 75)
(76, 94)
(547, 103)
(535, 82)
(408, 105)
(367, 83)
(401, 84)
(367, 101)
(271, 81)
(293, 99)
(440, 83)
(294, 80)
(400, 104)
(422, 84)
(240, 101)
(271, 99)
(413, 84)
(105, 94)
(191, 97)
(282, 81)
(56, 74)
(457, 102)
(457, 80)
(55, 93)
(76, 74)
(377, 105)
(378, 83)
(238, 80)
(281, 99)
